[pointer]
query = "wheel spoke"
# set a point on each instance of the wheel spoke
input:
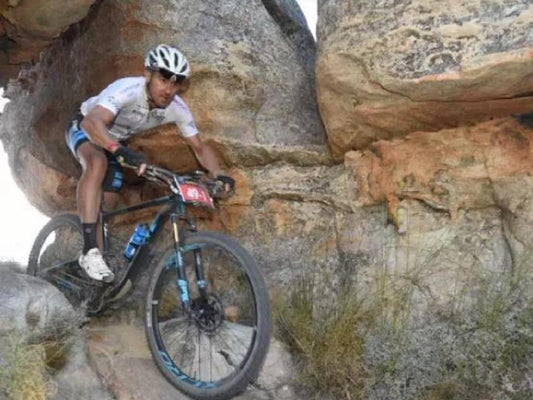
(54, 255)
(217, 340)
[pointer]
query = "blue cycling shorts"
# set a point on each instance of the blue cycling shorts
(75, 137)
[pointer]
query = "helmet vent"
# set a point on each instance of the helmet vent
(164, 58)
(167, 58)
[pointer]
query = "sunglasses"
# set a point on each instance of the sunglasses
(172, 76)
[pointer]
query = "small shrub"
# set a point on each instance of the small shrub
(380, 345)
(27, 365)
(24, 377)
(328, 348)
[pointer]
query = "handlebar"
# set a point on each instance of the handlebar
(171, 179)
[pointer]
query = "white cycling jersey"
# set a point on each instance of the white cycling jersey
(127, 99)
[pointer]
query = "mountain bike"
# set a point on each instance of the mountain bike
(207, 313)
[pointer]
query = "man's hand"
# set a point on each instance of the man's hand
(227, 183)
(130, 157)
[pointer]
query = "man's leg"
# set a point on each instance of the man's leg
(110, 201)
(94, 164)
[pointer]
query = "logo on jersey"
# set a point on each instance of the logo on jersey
(114, 102)
(139, 111)
(158, 115)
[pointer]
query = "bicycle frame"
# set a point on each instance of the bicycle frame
(175, 210)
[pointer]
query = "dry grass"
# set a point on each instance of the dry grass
(27, 366)
(380, 345)
(27, 362)
(329, 350)
(24, 378)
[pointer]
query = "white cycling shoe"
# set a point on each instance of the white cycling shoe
(93, 263)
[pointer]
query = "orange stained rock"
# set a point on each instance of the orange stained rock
(448, 170)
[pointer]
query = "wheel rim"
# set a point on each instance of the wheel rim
(214, 343)
(57, 262)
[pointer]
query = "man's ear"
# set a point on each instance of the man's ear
(147, 74)
(184, 86)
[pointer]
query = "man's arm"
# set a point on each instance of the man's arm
(205, 155)
(95, 124)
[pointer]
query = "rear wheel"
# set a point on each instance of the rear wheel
(218, 348)
(54, 257)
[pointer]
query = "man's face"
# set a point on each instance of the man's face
(160, 89)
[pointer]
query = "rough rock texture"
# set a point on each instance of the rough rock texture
(119, 354)
(449, 170)
(433, 181)
(29, 26)
(32, 308)
(293, 209)
(435, 259)
(250, 93)
(388, 68)
(292, 22)
(474, 178)
(77, 379)
(32, 311)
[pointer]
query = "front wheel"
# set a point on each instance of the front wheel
(216, 348)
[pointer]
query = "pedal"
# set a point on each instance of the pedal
(124, 290)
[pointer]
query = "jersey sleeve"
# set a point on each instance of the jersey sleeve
(115, 97)
(184, 118)
(187, 129)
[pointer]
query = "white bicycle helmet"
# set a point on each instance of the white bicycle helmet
(168, 59)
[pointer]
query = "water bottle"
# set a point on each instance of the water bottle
(141, 233)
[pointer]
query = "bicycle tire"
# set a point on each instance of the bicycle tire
(245, 325)
(54, 255)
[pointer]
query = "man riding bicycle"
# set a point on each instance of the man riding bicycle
(128, 107)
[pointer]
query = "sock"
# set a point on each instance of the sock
(89, 237)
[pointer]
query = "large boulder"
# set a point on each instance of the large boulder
(449, 171)
(251, 90)
(118, 351)
(385, 69)
(36, 318)
(27, 27)
(32, 309)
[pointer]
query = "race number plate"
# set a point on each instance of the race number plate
(193, 193)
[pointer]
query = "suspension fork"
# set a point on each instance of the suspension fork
(183, 285)
(198, 263)
(200, 278)
(182, 282)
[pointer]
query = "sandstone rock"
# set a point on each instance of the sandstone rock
(120, 355)
(449, 170)
(432, 265)
(34, 312)
(251, 94)
(32, 308)
(76, 379)
(387, 69)
(278, 371)
(513, 196)
(333, 186)
(30, 26)
(292, 22)
(48, 189)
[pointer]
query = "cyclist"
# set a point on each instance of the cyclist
(128, 107)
